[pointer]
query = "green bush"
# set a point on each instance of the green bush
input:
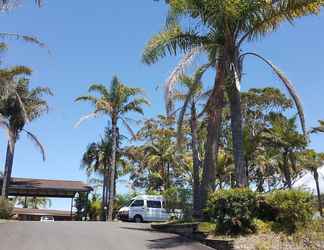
(294, 209)
(5, 208)
(233, 210)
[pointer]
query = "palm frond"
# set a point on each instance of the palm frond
(88, 98)
(128, 128)
(86, 117)
(178, 71)
(37, 143)
(171, 41)
(100, 88)
(290, 87)
(29, 39)
(268, 18)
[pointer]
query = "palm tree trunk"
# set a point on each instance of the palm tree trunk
(286, 169)
(320, 208)
(214, 121)
(113, 167)
(104, 196)
(196, 161)
(8, 165)
(237, 134)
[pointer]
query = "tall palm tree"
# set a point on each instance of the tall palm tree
(191, 96)
(114, 102)
(19, 105)
(312, 161)
(228, 25)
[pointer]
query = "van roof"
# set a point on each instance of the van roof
(149, 197)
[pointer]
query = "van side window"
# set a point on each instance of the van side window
(138, 203)
(153, 204)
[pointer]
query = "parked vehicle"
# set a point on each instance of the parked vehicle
(47, 219)
(144, 208)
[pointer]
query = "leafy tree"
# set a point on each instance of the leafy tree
(19, 105)
(114, 102)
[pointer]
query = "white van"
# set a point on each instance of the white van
(144, 208)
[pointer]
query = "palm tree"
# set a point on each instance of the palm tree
(34, 202)
(18, 105)
(224, 26)
(312, 161)
(190, 98)
(96, 160)
(115, 102)
(283, 137)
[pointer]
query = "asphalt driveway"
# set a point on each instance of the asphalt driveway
(88, 236)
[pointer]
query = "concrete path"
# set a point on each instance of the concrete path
(88, 236)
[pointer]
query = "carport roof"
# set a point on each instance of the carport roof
(41, 212)
(46, 188)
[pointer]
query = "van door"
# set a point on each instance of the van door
(154, 210)
(137, 207)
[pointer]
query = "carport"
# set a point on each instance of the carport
(27, 187)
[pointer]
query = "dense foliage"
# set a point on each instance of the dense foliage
(234, 210)
(5, 208)
(294, 208)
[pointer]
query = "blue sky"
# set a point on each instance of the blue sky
(92, 42)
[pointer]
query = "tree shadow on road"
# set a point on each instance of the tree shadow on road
(168, 243)
(139, 229)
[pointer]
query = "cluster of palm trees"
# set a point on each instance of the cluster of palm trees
(218, 30)
(115, 102)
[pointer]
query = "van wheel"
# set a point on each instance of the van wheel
(138, 219)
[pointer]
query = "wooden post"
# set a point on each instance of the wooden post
(71, 208)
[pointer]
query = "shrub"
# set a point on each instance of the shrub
(262, 226)
(5, 208)
(233, 210)
(294, 209)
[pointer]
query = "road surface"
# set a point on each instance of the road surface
(88, 236)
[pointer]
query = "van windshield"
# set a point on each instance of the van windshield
(128, 203)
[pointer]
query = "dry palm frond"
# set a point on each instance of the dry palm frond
(86, 117)
(178, 71)
(290, 87)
